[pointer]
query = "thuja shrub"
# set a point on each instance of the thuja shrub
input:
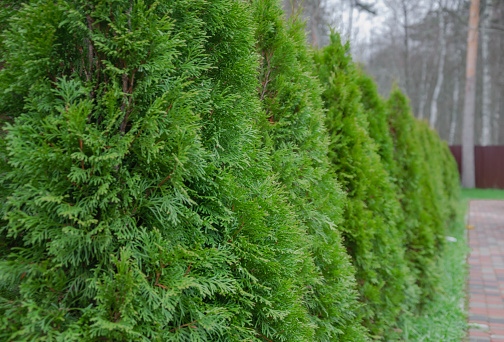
(418, 175)
(451, 180)
(372, 212)
(377, 117)
(294, 133)
(446, 185)
(433, 156)
(136, 204)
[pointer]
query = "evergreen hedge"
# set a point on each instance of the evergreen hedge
(422, 206)
(294, 133)
(377, 116)
(413, 153)
(372, 215)
(135, 203)
(174, 171)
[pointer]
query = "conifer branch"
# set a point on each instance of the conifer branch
(214, 46)
(52, 77)
(271, 103)
(267, 339)
(84, 68)
(136, 136)
(185, 325)
(129, 15)
(164, 180)
(169, 176)
(123, 106)
(90, 50)
(74, 184)
(188, 269)
(127, 90)
(82, 150)
(158, 284)
(236, 232)
(269, 69)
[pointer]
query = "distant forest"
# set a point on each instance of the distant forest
(421, 45)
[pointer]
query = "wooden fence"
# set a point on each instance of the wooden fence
(489, 165)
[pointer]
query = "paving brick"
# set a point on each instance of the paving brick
(486, 271)
(478, 311)
(476, 333)
(490, 306)
(494, 312)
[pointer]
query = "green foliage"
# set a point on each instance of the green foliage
(377, 117)
(173, 171)
(412, 154)
(422, 195)
(294, 132)
(136, 204)
(7, 9)
(371, 231)
(444, 318)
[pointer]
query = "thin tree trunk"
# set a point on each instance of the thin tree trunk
(497, 18)
(486, 110)
(496, 124)
(350, 21)
(423, 90)
(406, 47)
(468, 173)
(315, 21)
(455, 108)
(440, 71)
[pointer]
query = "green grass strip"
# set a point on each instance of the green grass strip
(483, 194)
(444, 318)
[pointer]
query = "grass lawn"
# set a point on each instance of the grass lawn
(444, 319)
(483, 194)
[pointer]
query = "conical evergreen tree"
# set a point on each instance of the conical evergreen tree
(377, 117)
(371, 230)
(425, 156)
(451, 180)
(136, 205)
(294, 131)
(424, 225)
(441, 162)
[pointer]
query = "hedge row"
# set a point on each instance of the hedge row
(192, 171)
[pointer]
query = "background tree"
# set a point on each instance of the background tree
(468, 172)
(437, 29)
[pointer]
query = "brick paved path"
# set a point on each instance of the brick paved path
(486, 280)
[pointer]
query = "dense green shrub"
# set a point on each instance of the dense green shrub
(442, 163)
(451, 179)
(413, 153)
(173, 171)
(294, 132)
(371, 231)
(377, 117)
(135, 202)
(420, 192)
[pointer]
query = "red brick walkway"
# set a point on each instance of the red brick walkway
(486, 281)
